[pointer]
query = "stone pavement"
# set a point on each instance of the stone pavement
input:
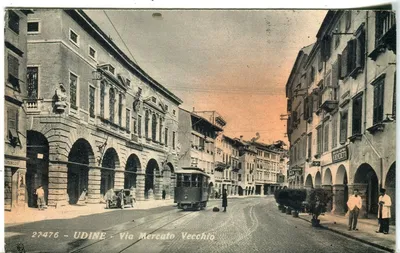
(366, 230)
(71, 211)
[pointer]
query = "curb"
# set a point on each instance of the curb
(352, 237)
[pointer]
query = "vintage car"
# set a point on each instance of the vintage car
(120, 199)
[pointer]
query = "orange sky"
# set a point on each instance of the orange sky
(234, 62)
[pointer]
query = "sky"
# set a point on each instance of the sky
(236, 62)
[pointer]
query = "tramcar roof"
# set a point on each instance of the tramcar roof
(191, 170)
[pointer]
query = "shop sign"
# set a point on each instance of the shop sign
(316, 163)
(340, 154)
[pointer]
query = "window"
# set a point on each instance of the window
(13, 21)
(348, 20)
(92, 52)
(128, 82)
(173, 112)
(73, 88)
(154, 127)
(128, 119)
(337, 36)
(12, 123)
(343, 127)
(394, 97)
(134, 126)
(353, 57)
(32, 79)
(239, 177)
(146, 124)
(378, 99)
(74, 37)
(326, 47)
(173, 140)
(334, 131)
(160, 130)
(153, 99)
(357, 115)
(33, 27)
(166, 137)
(166, 107)
(120, 108)
(92, 99)
(309, 137)
(13, 71)
(102, 97)
(319, 140)
(112, 104)
(139, 125)
(385, 20)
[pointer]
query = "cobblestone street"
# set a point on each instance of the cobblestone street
(249, 225)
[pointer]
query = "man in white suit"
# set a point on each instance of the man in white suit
(354, 204)
(384, 212)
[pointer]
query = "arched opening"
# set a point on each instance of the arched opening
(78, 170)
(327, 177)
(309, 183)
(151, 168)
(365, 174)
(131, 168)
(167, 171)
(390, 185)
(37, 166)
(318, 180)
(110, 163)
(341, 191)
(240, 191)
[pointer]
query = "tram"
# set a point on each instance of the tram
(192, 190)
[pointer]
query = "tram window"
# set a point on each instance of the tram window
(195, 181)
(179, 180)
(186, 180)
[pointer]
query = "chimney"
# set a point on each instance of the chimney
(193, 108)
(241, 138)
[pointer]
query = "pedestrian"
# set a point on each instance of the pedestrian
(385, 203)
(163, 194)
(109, 197)
(224, 199)
(40, 197)
(354, 204)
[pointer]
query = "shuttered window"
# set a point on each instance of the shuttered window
(12, 122)
(334, 131)
(319, 140)
(13, 70)
(343, 64)
(348, 20)
(309, 137)
(357, 115)
(13, 21)
(343, 127)
(326, 136)
(378, 100)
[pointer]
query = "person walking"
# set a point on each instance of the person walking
(354, 204)
(384, 214)
(224, 200)
(40, 197)
(109, 197)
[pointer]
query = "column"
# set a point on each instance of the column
(58, 178)
(94, 186)
(362, 189)
(338, 199)
(157, 187)
(329, 189)
(262, 190)
(140, 186)
(119, 177)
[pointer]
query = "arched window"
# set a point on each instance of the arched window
(146, 124)
(120, 109)
(154, 127)
(112, 104)
(102, 96)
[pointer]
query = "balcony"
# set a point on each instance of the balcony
(32, 106)
(329, 101)
(220, 166)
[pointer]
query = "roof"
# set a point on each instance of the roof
(190, 170)
(87, 23)
(216, 128)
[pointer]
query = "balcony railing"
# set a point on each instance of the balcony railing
(32, 105)
(329, 100)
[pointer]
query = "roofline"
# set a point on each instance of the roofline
(123, 57)
(213, 125)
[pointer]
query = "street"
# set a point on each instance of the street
(249, 225)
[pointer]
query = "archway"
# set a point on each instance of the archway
(37, 166)
(240, 191)
(366, 175)
(168, 170)
(327, 185)
(390, 185)
(318, 180)
(110, 163)
(78, 170)
(327, 177)
(151, 169)
(340, 191)
(131, 168)
(309, 183)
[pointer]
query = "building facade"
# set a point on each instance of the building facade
(15, 89)
(342, 109)
(95, 119)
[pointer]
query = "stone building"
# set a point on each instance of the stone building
(15, 91)
(346, 101)
(95, 119)
(196, 136)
